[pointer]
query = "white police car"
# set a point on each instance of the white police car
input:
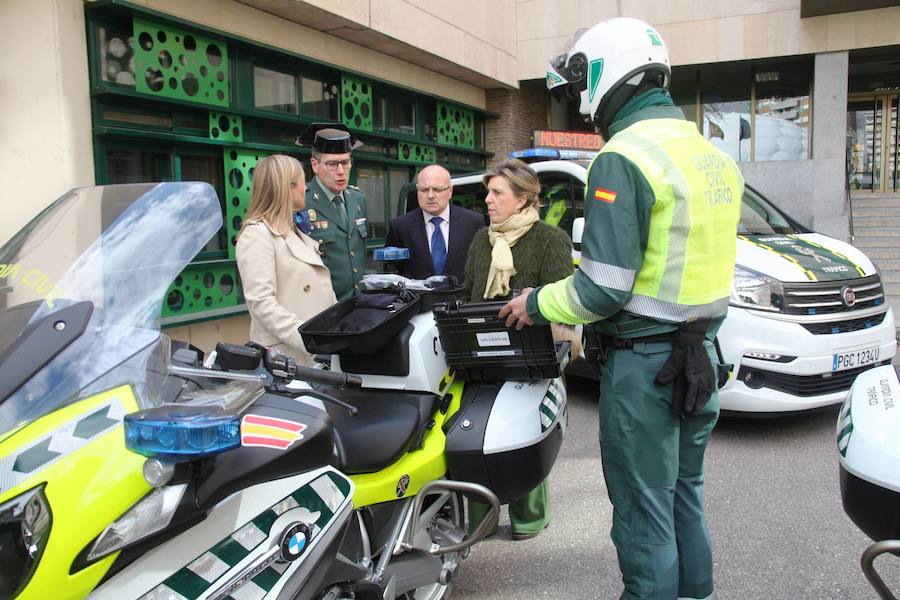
(808, 312)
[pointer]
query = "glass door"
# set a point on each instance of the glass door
(873, 143)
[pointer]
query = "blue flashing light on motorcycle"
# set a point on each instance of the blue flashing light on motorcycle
(182, 433)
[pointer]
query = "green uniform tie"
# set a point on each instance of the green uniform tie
(341, 209)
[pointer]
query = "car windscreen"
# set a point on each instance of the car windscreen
(759, 216)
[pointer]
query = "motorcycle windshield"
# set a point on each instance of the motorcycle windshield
(82, 287)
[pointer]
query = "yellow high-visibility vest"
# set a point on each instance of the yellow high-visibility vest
(689, 261)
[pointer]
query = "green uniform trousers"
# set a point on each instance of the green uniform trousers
(653, 467)
(529, 514)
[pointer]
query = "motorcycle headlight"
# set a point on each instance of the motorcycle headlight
(753, 290)
(152, 514)
(24, 529)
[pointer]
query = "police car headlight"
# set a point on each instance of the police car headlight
(753, 290)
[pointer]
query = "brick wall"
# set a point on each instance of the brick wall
(521, 112)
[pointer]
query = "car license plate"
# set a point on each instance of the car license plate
(855, 358)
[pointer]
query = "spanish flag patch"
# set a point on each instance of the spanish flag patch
(607, 196)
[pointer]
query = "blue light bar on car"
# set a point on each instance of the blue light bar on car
(182, 433)
(535, 153)
(391, 253)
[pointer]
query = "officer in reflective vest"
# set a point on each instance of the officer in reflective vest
(335, 209)
(662, 206)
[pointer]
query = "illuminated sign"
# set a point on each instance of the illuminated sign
(568, 140)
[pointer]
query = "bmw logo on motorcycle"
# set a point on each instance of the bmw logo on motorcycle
(293, 541)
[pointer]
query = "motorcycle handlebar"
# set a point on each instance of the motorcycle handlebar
(341, 380)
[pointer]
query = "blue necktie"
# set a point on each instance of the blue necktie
(438, 247)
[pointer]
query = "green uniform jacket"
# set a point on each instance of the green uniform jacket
(343, 246)
(614, 234)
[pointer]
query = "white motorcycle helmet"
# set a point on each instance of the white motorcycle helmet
(605, 65)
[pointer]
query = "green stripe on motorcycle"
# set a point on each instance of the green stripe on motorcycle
(190, 585)
(547, 412)
(187, 583)
(264, 521)
(342, 483)
(552, 397)
(230, 552)
(267, 579)
(309, 499)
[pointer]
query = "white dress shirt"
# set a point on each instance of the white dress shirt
(445, 226)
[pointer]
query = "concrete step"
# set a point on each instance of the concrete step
(892, 289)
(882, 254)
(890, 275)
(886, 264)
(864, 242)
(874, 229)
(877, 211)
(868, 201)
(876, 219)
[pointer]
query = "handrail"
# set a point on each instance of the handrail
(847, 188)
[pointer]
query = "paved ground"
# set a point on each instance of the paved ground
(773, 504)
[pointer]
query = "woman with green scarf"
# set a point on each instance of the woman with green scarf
(516, 251)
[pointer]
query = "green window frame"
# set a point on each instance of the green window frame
(182, 133)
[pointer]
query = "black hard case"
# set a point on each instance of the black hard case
(480, 347)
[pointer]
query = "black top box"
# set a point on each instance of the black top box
(349, 328)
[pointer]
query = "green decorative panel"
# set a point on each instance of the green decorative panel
(225, 128)
(456, 126)
(201, 288)
(356, 103)
(239, 166)
(174, 64)
(416, 153)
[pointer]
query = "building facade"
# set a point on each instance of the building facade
(804, 94)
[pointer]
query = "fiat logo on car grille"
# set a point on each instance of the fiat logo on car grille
(848, 296)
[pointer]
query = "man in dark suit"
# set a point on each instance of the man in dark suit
(437, 234)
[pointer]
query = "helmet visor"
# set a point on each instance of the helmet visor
(566, 69)
(566, 48)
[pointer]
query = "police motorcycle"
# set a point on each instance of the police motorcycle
(868, 442)
(128, 469)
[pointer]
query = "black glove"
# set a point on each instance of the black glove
(691, 374)
(700, 379)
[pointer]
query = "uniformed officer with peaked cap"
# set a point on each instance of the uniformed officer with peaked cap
(336, 210)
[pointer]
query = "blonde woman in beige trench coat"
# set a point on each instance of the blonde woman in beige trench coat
(285, 281)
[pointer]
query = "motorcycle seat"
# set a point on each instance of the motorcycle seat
(387, 425)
